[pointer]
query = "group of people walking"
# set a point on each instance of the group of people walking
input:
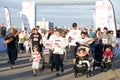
(59, 41)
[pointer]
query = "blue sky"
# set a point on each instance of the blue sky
(59, 14)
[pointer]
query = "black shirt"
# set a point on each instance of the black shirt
(35, 38)
(12, 43)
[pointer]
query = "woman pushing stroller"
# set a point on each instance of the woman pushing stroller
(81, 53)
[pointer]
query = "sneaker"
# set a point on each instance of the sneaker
(57, 74)
(11, 66)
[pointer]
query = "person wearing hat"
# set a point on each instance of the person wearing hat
(73, 36)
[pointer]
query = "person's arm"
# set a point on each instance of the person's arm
(8, 41)
(64, 43)
(31, 35)
(110, 40)
(31, 58)
(41, 40)
(39, 57)
(89, 41)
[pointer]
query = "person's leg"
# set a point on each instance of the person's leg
(104, 57)
(109, 60)
(65, 55)
(34, 68)
(13, 56)
(57, 63)
(52, 62)
(72, 51)
(10, 58)
(34, 71)
(16, 55)
(61, 62)
(40, 47)
(20, 48)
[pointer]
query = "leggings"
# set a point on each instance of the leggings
(57, 61)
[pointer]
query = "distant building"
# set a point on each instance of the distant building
(45, 25)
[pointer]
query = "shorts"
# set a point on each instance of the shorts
(36, 65)
(72, 51)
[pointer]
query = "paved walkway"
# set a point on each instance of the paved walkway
(23, 71)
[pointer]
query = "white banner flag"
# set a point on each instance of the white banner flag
(25, 23)
(7, 15)
(28, 12)
(44, 22)
(104, 15)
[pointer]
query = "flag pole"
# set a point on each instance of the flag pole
(114, 16)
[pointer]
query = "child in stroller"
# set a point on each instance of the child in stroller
(82, 62)
(107, 54)
(107, 57)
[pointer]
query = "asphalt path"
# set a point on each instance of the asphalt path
(23, 71)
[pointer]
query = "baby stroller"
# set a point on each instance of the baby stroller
(98, 57)
(80, 65)
(108, 62)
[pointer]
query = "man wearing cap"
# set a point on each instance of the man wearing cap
(73, 36)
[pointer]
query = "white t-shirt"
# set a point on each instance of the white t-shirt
(75, 35)
(47, 44)
(52, 37)
(58, 45)
(82, 41)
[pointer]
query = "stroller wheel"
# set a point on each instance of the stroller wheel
(93, 68)
(51, 69)
(88, 73)
(75, 73)
(42, 68)
(112, 64)
(87, 76)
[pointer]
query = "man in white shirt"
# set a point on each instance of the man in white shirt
(73, 36)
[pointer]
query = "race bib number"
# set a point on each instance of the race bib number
(47, 45)
(46, 51)
(104, 41)
(35, 39)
